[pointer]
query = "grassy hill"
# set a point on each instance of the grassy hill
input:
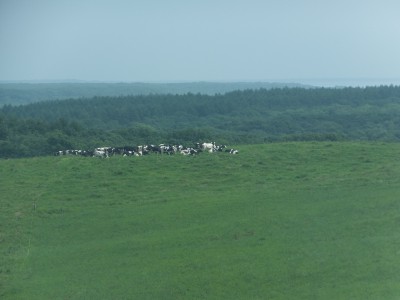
(278, 221)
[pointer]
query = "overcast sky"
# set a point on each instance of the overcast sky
(199, 40)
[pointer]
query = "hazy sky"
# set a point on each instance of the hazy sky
(188, 40)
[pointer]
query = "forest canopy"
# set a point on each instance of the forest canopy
(249, 116)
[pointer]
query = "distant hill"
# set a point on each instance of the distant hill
(240, 117)
(23, 92)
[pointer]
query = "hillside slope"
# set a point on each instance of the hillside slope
(278, 221)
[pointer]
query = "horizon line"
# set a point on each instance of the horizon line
(328, 82)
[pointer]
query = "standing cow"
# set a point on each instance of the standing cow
(210, 147)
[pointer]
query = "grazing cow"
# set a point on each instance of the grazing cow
(153, 149)
(139, 151)
(130, 150)
(219, 148)
(124, 151)
(232, 151)
(169, 149)
(210, 147)
(188, 151)
(101, 152)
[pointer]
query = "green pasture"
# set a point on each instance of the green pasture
(276, 221)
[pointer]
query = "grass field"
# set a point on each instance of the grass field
(277, 221)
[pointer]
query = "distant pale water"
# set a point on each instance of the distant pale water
(317, 82)
(348, 82)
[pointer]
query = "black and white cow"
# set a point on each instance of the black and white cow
(232, 151)
(189, 151)
(219, 148)
(123, 151)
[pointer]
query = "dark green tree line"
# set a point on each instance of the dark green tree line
(250, 116)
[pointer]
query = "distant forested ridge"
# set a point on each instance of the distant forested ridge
(23, 93)
(250, 116)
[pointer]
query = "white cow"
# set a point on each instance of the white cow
(140, 151)
(100, 153)
(210, 147)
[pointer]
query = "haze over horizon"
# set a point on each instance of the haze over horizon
(334, 43)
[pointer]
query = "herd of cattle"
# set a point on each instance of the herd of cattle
(147, 149)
